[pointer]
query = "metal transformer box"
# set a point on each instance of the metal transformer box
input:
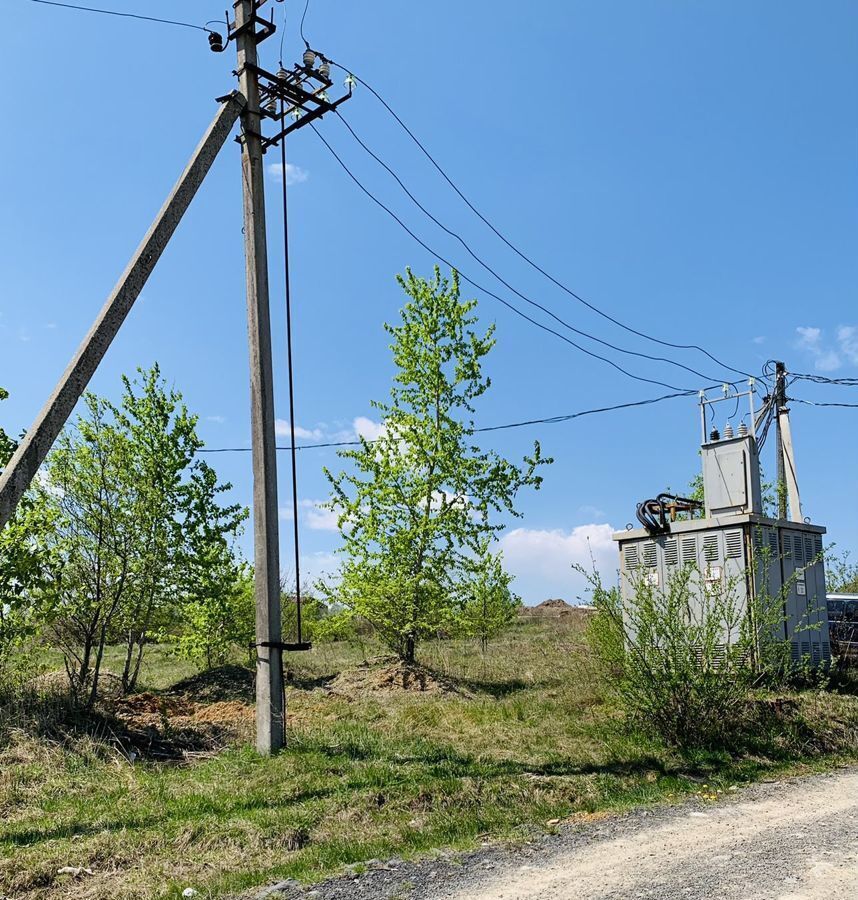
(754, 554)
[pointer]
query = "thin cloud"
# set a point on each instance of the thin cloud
(282, 429)
(828, 356)
(294, 174)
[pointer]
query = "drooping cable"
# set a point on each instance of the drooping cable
(480, 287)
(818, 403)
(505, 283)
(124, 15)
(519, 252)
(304, 16)
(550, 420)
(291, 370)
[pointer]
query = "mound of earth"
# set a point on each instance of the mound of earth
(169, 725)
(394, 677)
(216, 685)
(555, 607)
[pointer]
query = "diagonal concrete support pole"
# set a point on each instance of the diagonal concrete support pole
(38, 440)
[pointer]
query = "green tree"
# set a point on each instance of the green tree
(136, 528)
(162, 435)
(490, 606)
(420, 503)
(90, 495)
(216, 613)
(23, 562)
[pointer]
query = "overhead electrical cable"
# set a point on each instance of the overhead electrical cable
(124, 15)
(822, 379)
(505, 283)
(550, 420)
(523, 255)
(818, 403)
(291, 371)
(483, 289)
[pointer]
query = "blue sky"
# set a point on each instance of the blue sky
(692, 168)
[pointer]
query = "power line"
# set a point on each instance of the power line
(550, 420)
(817, 403)
(480, 287)
(124, 15)
(304, 16)
(523, 255)
(505, 283)
(822, 379)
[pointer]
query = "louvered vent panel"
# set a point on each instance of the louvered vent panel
(650, 556)
(817, 544)
(758, 539)
(796, 656)
(826, 651)
(808, 548)
(798, 548)
(787, 549)
(631, 556)
(734, 544)
(773, 542)
(710, 547)
(689, 550)
(671, 552)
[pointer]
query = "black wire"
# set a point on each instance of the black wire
(282, 38)
(550, 420)
(304, 16)
(822, 379)
(816, 403)
(524, 256)
(505, 283)
(735, 411)
(288, 299)
(124, 15)
(479, 287)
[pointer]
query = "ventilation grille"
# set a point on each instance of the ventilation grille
(734, 544)
(808, 548)
(710, 547)
(689, 550)
(817, 544)
(773, 542)
(671, 552)
(798, 549)
(650, 554)
(630, 554)
(787, 547)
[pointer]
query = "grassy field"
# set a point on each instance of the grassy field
(496, 746)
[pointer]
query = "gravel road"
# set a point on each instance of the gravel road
(790, 840)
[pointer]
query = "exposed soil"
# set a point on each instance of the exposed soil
(393, 677)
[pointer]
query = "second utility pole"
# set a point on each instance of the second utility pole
(270, 711)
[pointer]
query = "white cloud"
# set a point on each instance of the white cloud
(547, 556)
(367, 428)
(281, 429)
(759, 339)
(317, 517)
(218, 420)
(827, 356)
(313, 515)
(847, 339)
(294, 174)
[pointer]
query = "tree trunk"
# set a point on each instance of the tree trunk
(410, 648)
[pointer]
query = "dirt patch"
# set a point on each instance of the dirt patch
(394, 677)
(556, 608)
(216, 685)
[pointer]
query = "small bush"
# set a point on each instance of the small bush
(680, 660)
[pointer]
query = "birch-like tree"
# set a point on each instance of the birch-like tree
(418, 505)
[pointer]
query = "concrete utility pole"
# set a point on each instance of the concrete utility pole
(780, 403)
(38, 440)
(270, 700)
